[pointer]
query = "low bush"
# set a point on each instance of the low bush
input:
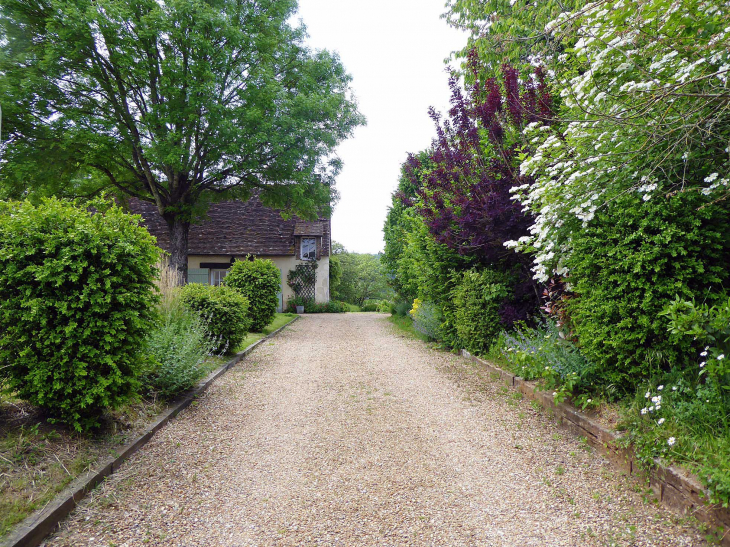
(310, 306)
(259, 280)
(426, 319)
(76, 303)
(179, 345)
(374, 305)
(223, 310)
(477, 297)
(400, 308)
(544, 353)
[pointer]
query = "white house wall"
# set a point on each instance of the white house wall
(285, 264)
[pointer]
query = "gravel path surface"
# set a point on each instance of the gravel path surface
(340, 431)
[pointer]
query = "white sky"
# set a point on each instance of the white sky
(394, 49)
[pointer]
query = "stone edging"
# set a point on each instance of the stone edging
(673, 486)
(34, 529)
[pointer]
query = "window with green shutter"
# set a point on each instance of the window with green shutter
(198, 275)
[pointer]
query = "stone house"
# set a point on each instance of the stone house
(236, 229)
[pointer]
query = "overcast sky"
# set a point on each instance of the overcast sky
(394, 49)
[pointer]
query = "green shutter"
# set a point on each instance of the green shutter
(198, 275)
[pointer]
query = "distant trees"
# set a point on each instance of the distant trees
(362, 277)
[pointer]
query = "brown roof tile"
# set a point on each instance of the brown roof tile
(236, 228)
(302, 228)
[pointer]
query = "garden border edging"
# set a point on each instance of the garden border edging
(36, 527)
(674, 487)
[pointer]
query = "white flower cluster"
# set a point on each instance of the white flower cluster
(630, 68)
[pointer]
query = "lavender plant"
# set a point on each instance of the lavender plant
(179, 345)
(426, 318)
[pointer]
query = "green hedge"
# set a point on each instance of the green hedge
(310, 306)
(259, 280)
(223, 311)
(477, 297)
(76, 302)
(628, 265)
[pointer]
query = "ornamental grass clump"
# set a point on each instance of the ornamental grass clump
(76, 302)
(179, 344)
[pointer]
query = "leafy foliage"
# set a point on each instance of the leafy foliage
(707, 325)
(645, 110)
(177, 102)
(179, 344)
(76, 302)
(510, 31)
(259, 280)
(627, 265)
(310, 306)
(426, 319)
(363, 278)
(542, 352)
(685, 419)
(478, 296)
(223, 311)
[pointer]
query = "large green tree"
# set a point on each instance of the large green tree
(507, 31)
(362, 277)
(176, 102)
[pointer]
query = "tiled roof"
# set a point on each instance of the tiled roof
(236, 228)
(303, 228)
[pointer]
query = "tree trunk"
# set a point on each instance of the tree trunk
(179, 245)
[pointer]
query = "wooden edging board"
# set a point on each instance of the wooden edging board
(34, 529)
(673, 486)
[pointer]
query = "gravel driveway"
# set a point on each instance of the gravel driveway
(340, 431)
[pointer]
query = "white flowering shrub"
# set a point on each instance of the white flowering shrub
(646, 109)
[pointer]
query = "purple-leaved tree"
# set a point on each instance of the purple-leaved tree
(465, 196)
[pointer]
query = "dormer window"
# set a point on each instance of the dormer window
(309, 248)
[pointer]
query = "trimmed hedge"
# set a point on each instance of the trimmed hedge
(478, 296)
(76, 302)
(259, 280)
(628, 265)
(223, 311)
(310, 306)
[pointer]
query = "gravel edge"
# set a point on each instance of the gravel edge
(675, 488)
(34, 529)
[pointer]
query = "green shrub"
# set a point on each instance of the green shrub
(179, 343)
(76, 302)
(259, 280)
(627, 265)
(400, 308)
(371, 305)
(427, 319)
(543, 352)
(477, 296)
(310, 306)
(707, 325)
(223, 311)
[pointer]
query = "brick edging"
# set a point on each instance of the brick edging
(674, 486)
(34, 529)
